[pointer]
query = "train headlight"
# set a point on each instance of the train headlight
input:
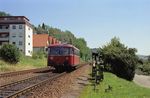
(51, 58)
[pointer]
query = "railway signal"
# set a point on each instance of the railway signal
(97, 68)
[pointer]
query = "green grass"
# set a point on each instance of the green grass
(120, 89)
(33, 62)
(25, 63)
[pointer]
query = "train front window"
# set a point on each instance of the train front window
(54, 51)
(59, 51)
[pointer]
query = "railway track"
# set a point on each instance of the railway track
(15, 73)
(19, 88)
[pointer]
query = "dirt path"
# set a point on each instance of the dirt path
(142, 80)
(77, 86)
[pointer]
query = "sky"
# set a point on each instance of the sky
(97, 21)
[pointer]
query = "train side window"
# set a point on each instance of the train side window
(48, 51)
(76, 52)
(71, 51)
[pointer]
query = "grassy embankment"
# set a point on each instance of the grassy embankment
(120, 89)
(25, 63)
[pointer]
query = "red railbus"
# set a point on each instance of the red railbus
(63, 56)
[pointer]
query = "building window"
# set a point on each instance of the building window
(14, 43)
(7, 27)
(28, 51)
(0, 27)
(13, 36)
(5, 18)
(19, 18)
(14, 27)
(28, 28)
(20, 42)
(20, 26)
(29, 36)
(28, 43)
(20, 34)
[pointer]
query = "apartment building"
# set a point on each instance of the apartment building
(18, 31)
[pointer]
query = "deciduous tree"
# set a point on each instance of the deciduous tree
(122, 59)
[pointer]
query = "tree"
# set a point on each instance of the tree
(43, 26)
(10, 53)
(40, 29)
(148, 58)
(85, 52)
(122, 59)
(4, 14)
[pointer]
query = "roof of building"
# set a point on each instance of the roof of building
(15, 20)
(40, 40)
(14, 17)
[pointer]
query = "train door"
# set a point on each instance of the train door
(72, 56)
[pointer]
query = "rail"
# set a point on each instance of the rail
(9, 74)
(19, 88)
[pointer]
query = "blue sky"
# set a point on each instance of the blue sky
(95, 20)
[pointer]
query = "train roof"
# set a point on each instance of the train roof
(63, 45)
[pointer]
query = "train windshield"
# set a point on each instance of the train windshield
(59, 51)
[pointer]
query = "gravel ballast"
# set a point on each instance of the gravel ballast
(68, 86)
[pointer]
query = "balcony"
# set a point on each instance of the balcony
(4, 39)
(4, 30)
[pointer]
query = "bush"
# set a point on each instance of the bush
(10, 53)
(122, 59)
(145, 68)
(38, 55)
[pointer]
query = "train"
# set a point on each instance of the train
(63, 57)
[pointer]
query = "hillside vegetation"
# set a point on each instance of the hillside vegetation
(66, 37)
(120, 89)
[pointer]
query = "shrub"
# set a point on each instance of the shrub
(38, 55)
(122, 59)
(148, 58)
(10, 53)
(145, 68)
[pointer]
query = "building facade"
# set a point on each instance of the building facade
(18, 31)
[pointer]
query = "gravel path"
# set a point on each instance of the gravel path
(77, 86)
(142, 80)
